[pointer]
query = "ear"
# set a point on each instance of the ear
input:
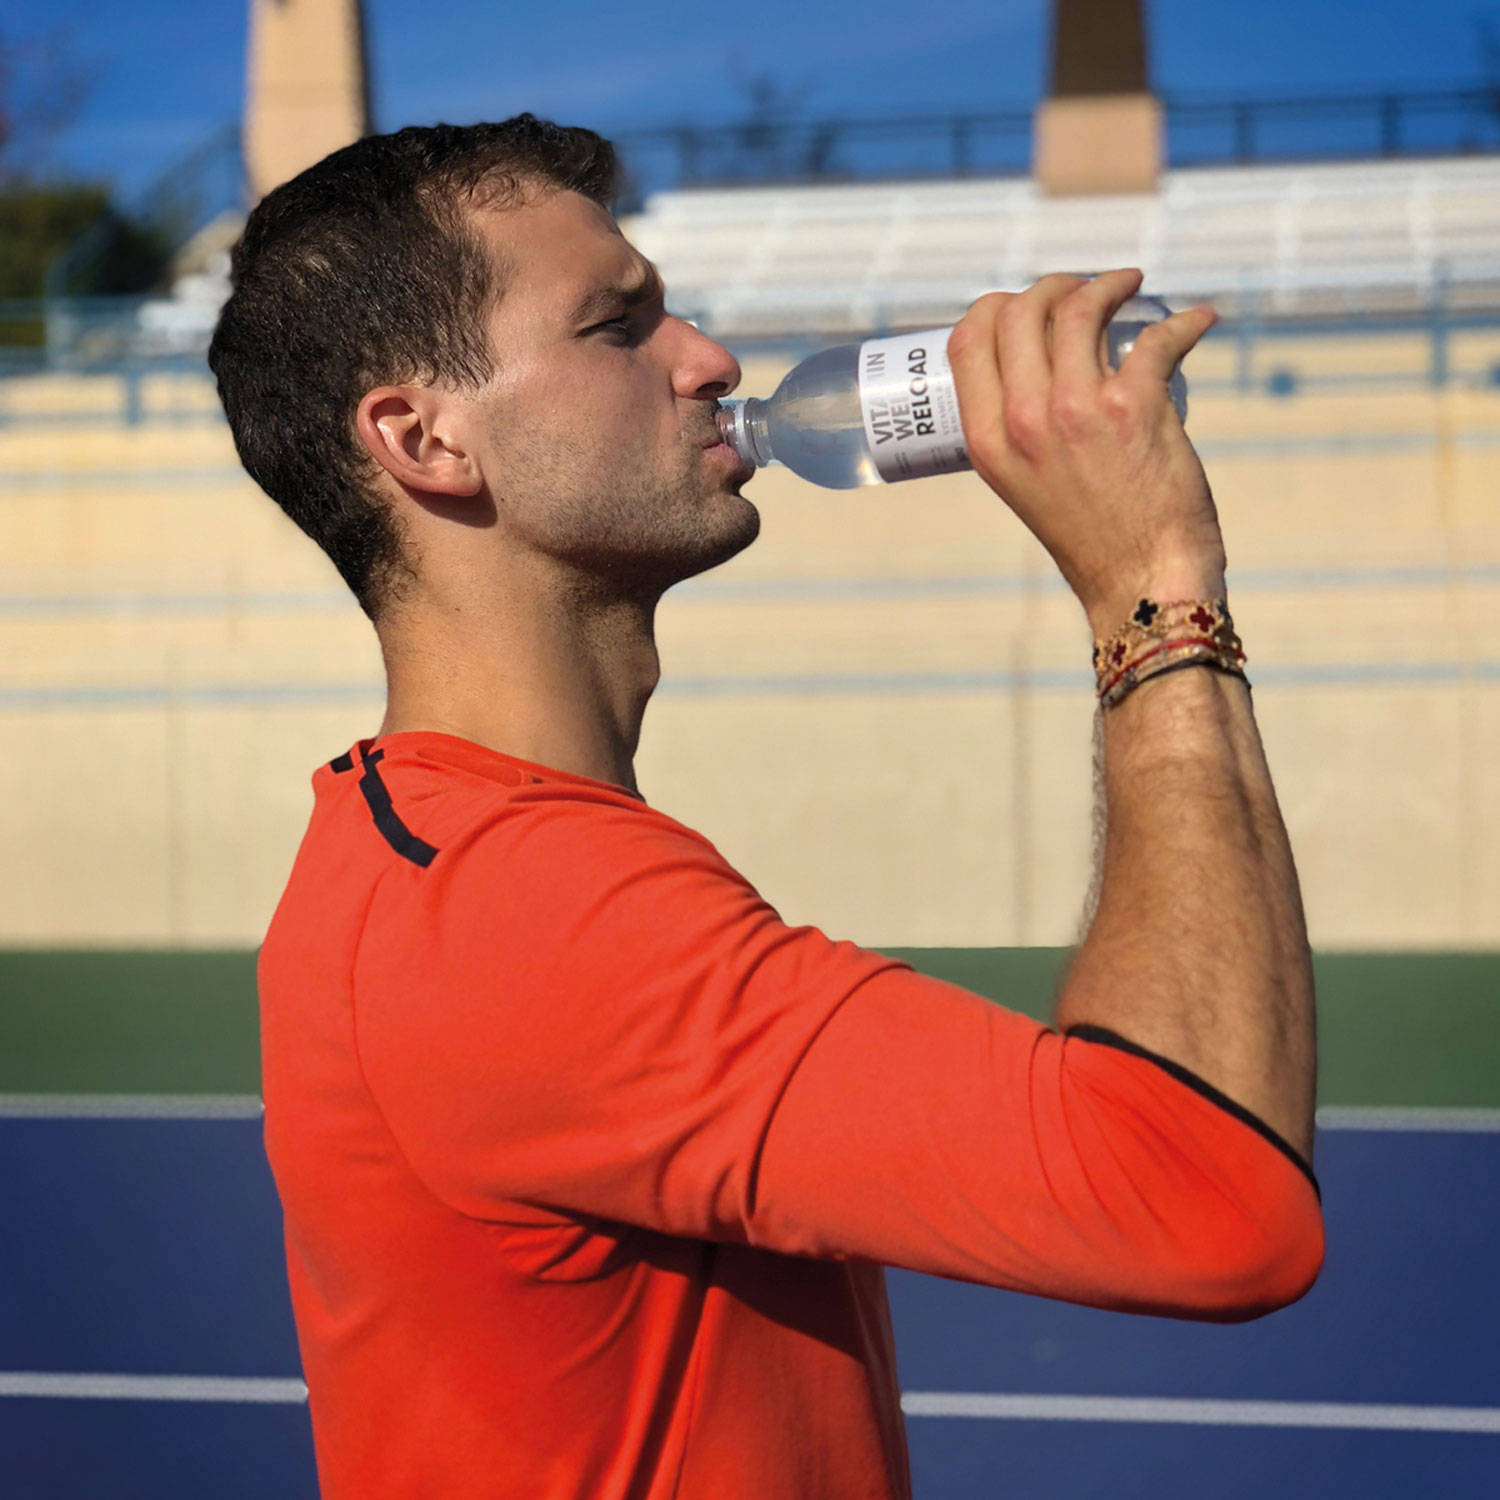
(414, 434)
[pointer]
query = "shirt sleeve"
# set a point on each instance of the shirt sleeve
(580, 1007)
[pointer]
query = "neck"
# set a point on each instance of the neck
(561, 679)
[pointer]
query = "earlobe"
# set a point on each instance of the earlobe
(406, 430)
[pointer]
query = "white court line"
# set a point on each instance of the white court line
(1201, 1413)
(130, 1107)
(265, 1390)
(1401, 1117)
(236, 1388)
(249, 1107)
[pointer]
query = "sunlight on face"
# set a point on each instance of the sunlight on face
(600, 446)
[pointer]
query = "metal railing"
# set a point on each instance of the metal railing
(1392, 123)
(1459, 119)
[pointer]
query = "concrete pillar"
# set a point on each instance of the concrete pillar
(1100, 130)
(306, 89)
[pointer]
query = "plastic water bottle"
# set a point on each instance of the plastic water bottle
(886, 409)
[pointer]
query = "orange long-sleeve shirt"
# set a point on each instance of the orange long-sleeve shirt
(590, 1163)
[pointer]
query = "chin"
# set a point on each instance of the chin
(720, 526)
(737, 526)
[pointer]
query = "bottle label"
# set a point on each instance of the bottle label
(910, 406)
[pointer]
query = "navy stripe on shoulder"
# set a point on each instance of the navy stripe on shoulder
(1193, 1081)
(392, 829)
(341, 763)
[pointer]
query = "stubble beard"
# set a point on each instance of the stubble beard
(653, 532)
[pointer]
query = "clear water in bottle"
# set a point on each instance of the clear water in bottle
(884, 410)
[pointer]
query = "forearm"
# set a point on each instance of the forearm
(1198, 949)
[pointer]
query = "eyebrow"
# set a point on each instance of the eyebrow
(619, 297)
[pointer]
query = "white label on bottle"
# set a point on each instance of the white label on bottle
(910, 407)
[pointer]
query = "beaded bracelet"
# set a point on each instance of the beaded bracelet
(1161, 638)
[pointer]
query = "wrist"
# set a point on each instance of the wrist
(1108, 615)
(1162, 635)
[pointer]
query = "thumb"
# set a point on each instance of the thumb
(1157, 349)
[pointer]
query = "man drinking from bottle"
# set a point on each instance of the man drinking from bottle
(590, 1164)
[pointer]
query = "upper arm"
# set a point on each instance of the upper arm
(931, 1129)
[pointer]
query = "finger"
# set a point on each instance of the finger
(976, 368)
(1078, 343)
(1159, 348)
(1024, 336)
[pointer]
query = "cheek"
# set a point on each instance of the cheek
(612, 410)
(636, 406)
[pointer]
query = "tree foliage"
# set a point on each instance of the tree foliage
(96, 247)
(103, 250)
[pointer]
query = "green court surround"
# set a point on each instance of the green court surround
(1394, 1028)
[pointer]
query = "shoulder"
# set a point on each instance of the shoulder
(456, 819)
(575, 834)
(547, 875)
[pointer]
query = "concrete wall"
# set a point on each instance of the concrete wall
(881, 712)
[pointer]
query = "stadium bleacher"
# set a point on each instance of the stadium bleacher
(1276, 240)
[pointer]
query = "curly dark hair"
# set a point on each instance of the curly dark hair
(361, 271)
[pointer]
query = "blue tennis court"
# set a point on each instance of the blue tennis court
(147, 1348)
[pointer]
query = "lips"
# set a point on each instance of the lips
(737, 465)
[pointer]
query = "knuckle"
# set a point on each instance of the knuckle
(982, 309)
(973, 331)
(962, 340)
(1073, 413)
(1025, 426)
(1119, 401)
(1081, 306)
(1157, 336)
(1015, 313)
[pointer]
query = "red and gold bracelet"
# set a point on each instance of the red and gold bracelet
(1162, 637)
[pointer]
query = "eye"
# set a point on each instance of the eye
(620, 325)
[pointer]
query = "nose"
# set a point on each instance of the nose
(702, 368)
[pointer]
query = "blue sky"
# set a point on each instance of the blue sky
(167, 72)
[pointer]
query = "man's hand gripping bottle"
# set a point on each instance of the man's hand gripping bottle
(886, 409)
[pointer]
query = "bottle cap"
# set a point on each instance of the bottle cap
(731, 420)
